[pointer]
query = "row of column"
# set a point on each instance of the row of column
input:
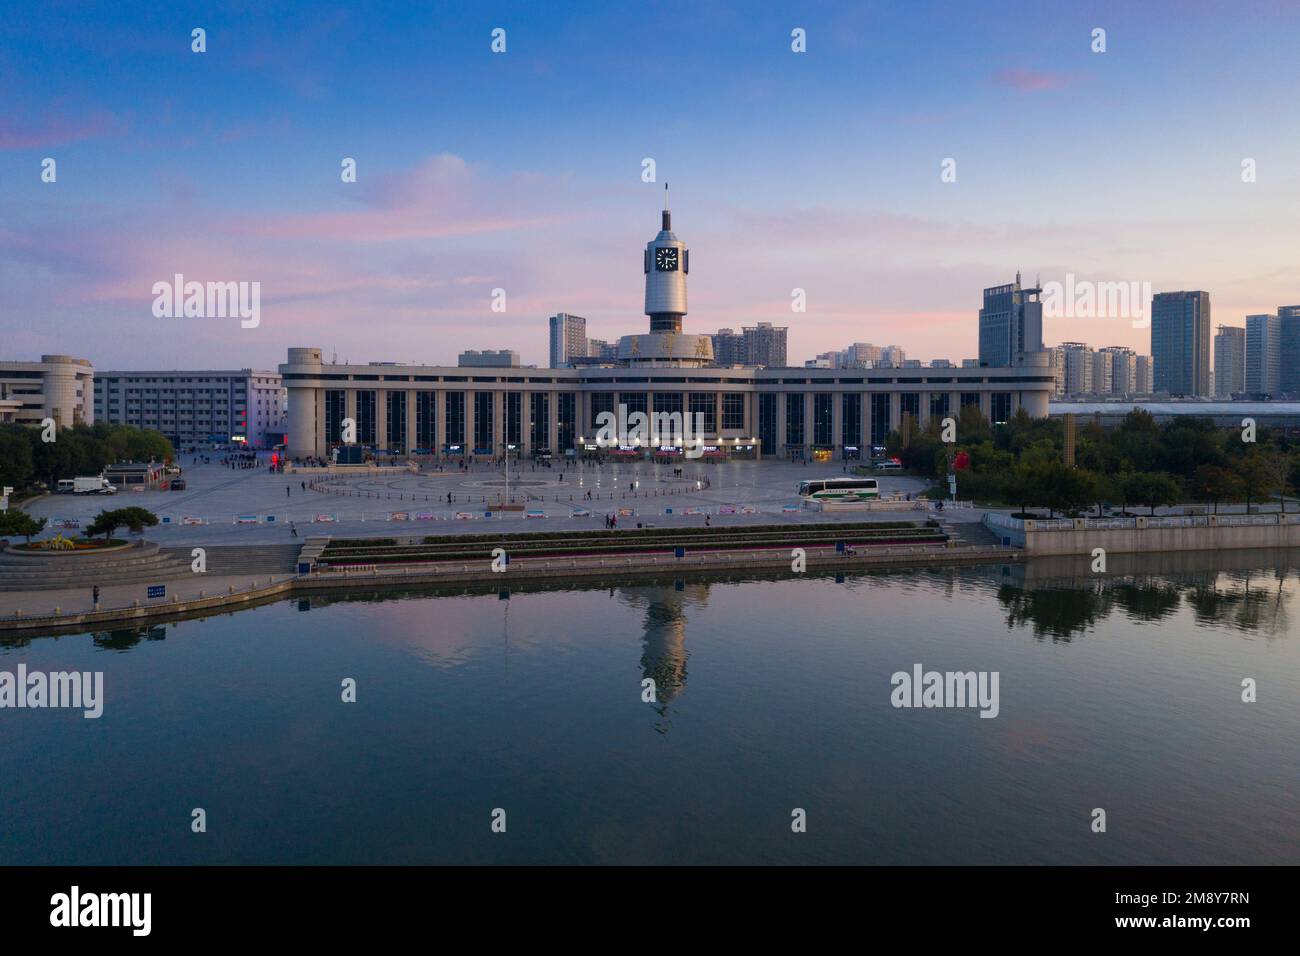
(307, 415)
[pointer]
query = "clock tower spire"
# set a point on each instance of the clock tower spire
(667, 263)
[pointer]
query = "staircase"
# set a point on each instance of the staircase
(147, 563)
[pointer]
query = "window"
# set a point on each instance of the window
(767, 421)
(823, 421)
(703, 405)
(851, 419)
(733, 411)
(456, 418)
(794, 418)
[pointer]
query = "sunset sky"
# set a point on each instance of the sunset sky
(522, 170)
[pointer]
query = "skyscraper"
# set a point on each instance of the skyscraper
(1180, 343)
(765, 345)
(1079, 368)
(1011, 324)
(1123, 371)
(1142, 378)
(1288, 317)
(568, 338)
(1229, 361)
(1263, 354)
(728, 347)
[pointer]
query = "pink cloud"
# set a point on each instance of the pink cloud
(55, 130)
(1033, 81)
(441, 197)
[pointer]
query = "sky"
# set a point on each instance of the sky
(523, 170)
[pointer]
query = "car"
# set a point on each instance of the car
(178, 484)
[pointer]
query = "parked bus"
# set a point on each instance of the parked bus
(839, 489)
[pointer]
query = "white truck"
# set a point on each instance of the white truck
(97, 485)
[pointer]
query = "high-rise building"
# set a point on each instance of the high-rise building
(1078, 368)
(861, 355)
(1289, 376)
(1263, 354)
(58, 387)
(728, 347)
(1010, 324)
(1055, 361)
(1229, 361)
(503, 358)
(602, 350)
(1180, 343)
(1123, 369)
(765, 345)
(1103, 370)
(568, 338)
(1143, 378)
(892, 356)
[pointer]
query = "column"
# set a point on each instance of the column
(440, 421)
(381, 418)
(409, 437)
(553, 425)
(837, 421)
(469, 423)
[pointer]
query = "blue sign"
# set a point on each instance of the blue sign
(166, 520)
(157, 591)
(270, 518)
(304, 567)
(680, 553)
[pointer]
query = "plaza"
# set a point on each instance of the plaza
(221, 505)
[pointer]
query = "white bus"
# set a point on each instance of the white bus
(839, 489)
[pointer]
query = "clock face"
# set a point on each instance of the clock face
(665, 259)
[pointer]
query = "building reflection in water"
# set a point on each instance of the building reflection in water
(663, 640)
(1060, 597)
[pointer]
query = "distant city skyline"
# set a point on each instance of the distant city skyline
(225, 166)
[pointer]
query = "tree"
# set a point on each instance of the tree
(1019, 486)
(17, 521)
(1215, 483)
(15, 455)
(137, 519)
(1255, 476)
(1152, 489)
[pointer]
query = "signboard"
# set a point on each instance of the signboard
(157, 591)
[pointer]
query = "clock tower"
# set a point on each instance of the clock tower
(667, 261)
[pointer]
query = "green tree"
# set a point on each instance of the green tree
(17, 521)
(1215, 483)
(16, 466)
(1255, 476)
(137, 519)
(1152, 489)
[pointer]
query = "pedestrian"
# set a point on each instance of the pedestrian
(287, 492)
(94, 593)
(304, 486)
(706, 521)
(293, 530)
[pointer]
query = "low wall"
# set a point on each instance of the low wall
(1063, 536)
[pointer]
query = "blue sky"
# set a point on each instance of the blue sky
(522, 171)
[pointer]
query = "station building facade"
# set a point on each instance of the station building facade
(797, 413)
(747, 412)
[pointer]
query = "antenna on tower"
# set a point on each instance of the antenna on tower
(668, 216)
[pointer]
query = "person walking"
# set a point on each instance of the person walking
(292, 530)
(287, 492)
(706, 521)
(94, 594)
